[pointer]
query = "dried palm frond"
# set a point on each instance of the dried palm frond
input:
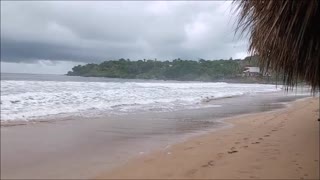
(285, 34)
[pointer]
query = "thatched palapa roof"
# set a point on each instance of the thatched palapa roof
(286, 36)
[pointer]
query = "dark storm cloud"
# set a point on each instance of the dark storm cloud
(96, 31)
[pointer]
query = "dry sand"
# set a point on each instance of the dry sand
(281, 144)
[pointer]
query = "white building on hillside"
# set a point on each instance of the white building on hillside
(251, 71)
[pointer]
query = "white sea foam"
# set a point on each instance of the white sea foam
(25, 100)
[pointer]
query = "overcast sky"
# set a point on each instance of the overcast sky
(51, 37)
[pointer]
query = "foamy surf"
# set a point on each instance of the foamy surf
(30, 100)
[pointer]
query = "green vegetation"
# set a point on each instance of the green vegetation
(202, 70)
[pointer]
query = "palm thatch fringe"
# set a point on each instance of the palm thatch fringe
(285, 34)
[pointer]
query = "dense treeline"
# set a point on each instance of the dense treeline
(204, 70)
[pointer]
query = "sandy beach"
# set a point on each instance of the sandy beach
(281, 144)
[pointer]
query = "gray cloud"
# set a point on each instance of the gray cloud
(95, 31)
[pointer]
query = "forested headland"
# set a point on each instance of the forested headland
(177, 69)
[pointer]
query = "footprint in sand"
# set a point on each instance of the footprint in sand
(232, 150)
(187, 148)
(245, 146)
(210, 163)
(255, 142)
(191, 172)
(220, 155)
(260, 138)
(237, 143)
(266, 135)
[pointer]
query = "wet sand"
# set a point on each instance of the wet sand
(282, 144)
(83, 148)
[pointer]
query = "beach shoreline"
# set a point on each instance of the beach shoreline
(282, 143)
(205, 102)
(85, 148)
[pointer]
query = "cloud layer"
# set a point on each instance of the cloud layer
(96, 31)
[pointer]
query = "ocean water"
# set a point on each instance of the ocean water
(27, 97)
(111, 120)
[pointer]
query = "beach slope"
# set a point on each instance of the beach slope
(282, 144)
